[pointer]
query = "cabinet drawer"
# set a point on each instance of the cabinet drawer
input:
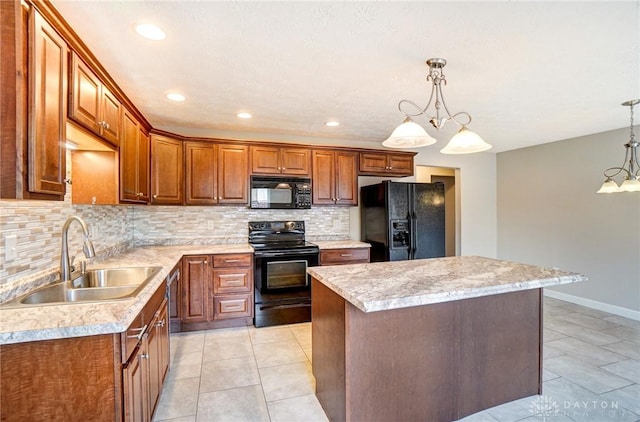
(232, 280)
(233, 260)
(140, 325)
(344, 256)
(131, 337)
(232, 306)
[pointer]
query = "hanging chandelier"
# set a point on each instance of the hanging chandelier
(411, 135)
(631, 182)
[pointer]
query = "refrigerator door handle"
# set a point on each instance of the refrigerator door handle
(414, 234)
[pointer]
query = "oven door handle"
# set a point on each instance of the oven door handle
(291, 253)
(291, 305)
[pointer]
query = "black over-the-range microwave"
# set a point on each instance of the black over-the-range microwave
(280, 192)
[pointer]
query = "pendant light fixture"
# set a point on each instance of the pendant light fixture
(411, 135)
(631, 173)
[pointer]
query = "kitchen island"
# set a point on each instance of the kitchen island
(427, 340)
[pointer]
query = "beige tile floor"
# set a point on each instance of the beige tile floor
(591, 373)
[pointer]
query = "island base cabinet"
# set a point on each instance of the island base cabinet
(436, 362)
(46, 380)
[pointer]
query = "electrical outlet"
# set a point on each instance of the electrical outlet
(10, 247)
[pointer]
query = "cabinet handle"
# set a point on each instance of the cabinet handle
(140, 334)
(144, 356)
(106, 125)
(231, 260)
(160, 323)
(346, 254)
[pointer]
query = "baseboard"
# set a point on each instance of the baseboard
(612, 309)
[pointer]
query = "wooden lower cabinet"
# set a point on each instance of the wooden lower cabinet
(136, 392)
(94, 378)
(217, 291)
(344, 256)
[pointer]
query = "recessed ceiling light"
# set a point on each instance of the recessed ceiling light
(175, 97)
(332, 123)
(244, 115)
(150, 32)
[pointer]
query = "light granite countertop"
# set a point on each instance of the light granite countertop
(44, 322)
(340, 244)
(382, 286)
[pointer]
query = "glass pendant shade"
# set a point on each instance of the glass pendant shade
(465, 142)
(630, 185)
(409, 135)
(609, 186)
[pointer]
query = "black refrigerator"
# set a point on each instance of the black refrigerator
(403, 221)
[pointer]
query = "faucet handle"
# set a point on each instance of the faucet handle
(72, 267)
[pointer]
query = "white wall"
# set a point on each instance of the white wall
(550, 215)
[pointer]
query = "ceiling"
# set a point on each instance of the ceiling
(527, 72)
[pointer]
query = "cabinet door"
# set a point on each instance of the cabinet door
(111, 117)
(47, 108)
(295, 161)
(346, 178)
(136, 395)
(158, 354)
(373, 163)
(401, 165)
(233, 174)
(166, 170)
(196, 279)
(143, 160)
(129, 159)
(85, 101)
(323, 177)
(265, 160)
(200, 173)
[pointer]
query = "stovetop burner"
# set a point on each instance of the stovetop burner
(285, 235)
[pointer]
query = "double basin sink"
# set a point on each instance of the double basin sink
(92, 286)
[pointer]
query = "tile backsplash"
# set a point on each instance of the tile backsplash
(37, 226)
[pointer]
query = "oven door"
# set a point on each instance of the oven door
(283, 272)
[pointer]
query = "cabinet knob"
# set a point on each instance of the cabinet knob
(155, 196)
(160, 323)
(140, 194)
(144, 356)
(106, 125)
(206, 262)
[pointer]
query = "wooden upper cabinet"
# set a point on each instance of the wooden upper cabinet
(200, 173)
(335, 177)
(134, 161)
(216, 173)
(47, 108)
(92, 105)
(280, 160)
(233, 174)
(386, 164)
(166, 170)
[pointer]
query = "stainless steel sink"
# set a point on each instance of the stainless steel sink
(62, 293)
(113, 277)
(94, 286)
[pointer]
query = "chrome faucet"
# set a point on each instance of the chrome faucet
(87, 247)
